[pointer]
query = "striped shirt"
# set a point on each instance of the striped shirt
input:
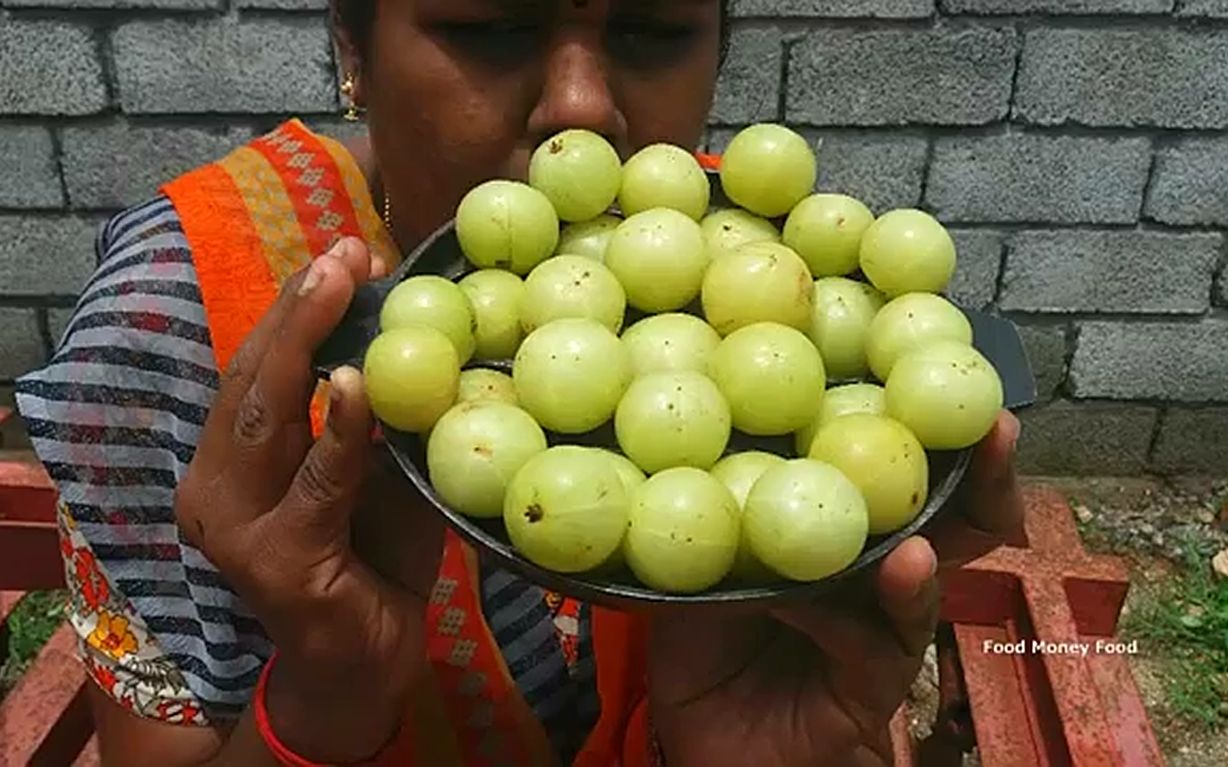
(115, 417)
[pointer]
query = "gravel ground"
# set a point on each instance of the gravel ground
(1149, 517)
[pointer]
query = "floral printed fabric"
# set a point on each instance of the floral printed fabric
(119, 653)
(565, 614)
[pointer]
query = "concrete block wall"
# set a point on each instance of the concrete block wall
(1078, 149)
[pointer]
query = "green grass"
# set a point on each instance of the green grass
(30, 626)
(1184, 622)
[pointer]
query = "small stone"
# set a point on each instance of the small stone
(1083, 513)
(1205, 516)
(1158, 540)
(1147, 528)
(1219, 563)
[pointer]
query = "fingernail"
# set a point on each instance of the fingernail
(334, 398)
(341, 378)
(1014, 428)
(315, 275)
(379, 267)
(338, 381)
(339, 248)
(918, 588)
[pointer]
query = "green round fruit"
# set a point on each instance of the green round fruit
(588, 238)
(768, 169)
(664, 176)
(570, 375)
(826, 231)
(838, 401)
(912, 321)
(570, 286)
(411, 375)
(483, 384)
(758, 282)
(632, 478)
(435, 302)
(946, 393)
(683, 532)
(670, 342)
(672, 419)
(771, 376)
(659, 256)
(843, 311)
(566, 509)
(907, 251)
(805, 520)
(726, 230)
(884, 460)
(506, 225)
(474, 451)
(495, 297)
(739, 472)
(628, 472)
(578, 171)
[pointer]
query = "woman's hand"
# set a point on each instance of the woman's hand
(277, 513)
(816, 686)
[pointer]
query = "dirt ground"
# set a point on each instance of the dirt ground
(1152, 524)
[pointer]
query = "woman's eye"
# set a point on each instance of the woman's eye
(493, 41)
(648, 42)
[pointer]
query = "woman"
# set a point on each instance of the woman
(248, 594)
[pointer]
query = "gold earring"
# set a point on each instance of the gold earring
(353, 112)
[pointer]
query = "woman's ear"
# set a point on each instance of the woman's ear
(348, 56)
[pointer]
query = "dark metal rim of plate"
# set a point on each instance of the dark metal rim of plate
(488, 538)
(439, 254)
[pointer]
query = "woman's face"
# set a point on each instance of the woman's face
(461, 91)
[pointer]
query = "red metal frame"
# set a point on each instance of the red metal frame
(29, 543)
(29, 495)
(1046, 708)
(45, 719)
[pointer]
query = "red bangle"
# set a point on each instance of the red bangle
(279, 750)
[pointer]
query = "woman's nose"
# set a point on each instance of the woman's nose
(577, 93)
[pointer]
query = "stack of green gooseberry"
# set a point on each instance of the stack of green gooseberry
(680, 327)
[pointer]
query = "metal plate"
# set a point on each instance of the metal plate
(996, 338)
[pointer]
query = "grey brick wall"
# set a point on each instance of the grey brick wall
(1078, 149)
